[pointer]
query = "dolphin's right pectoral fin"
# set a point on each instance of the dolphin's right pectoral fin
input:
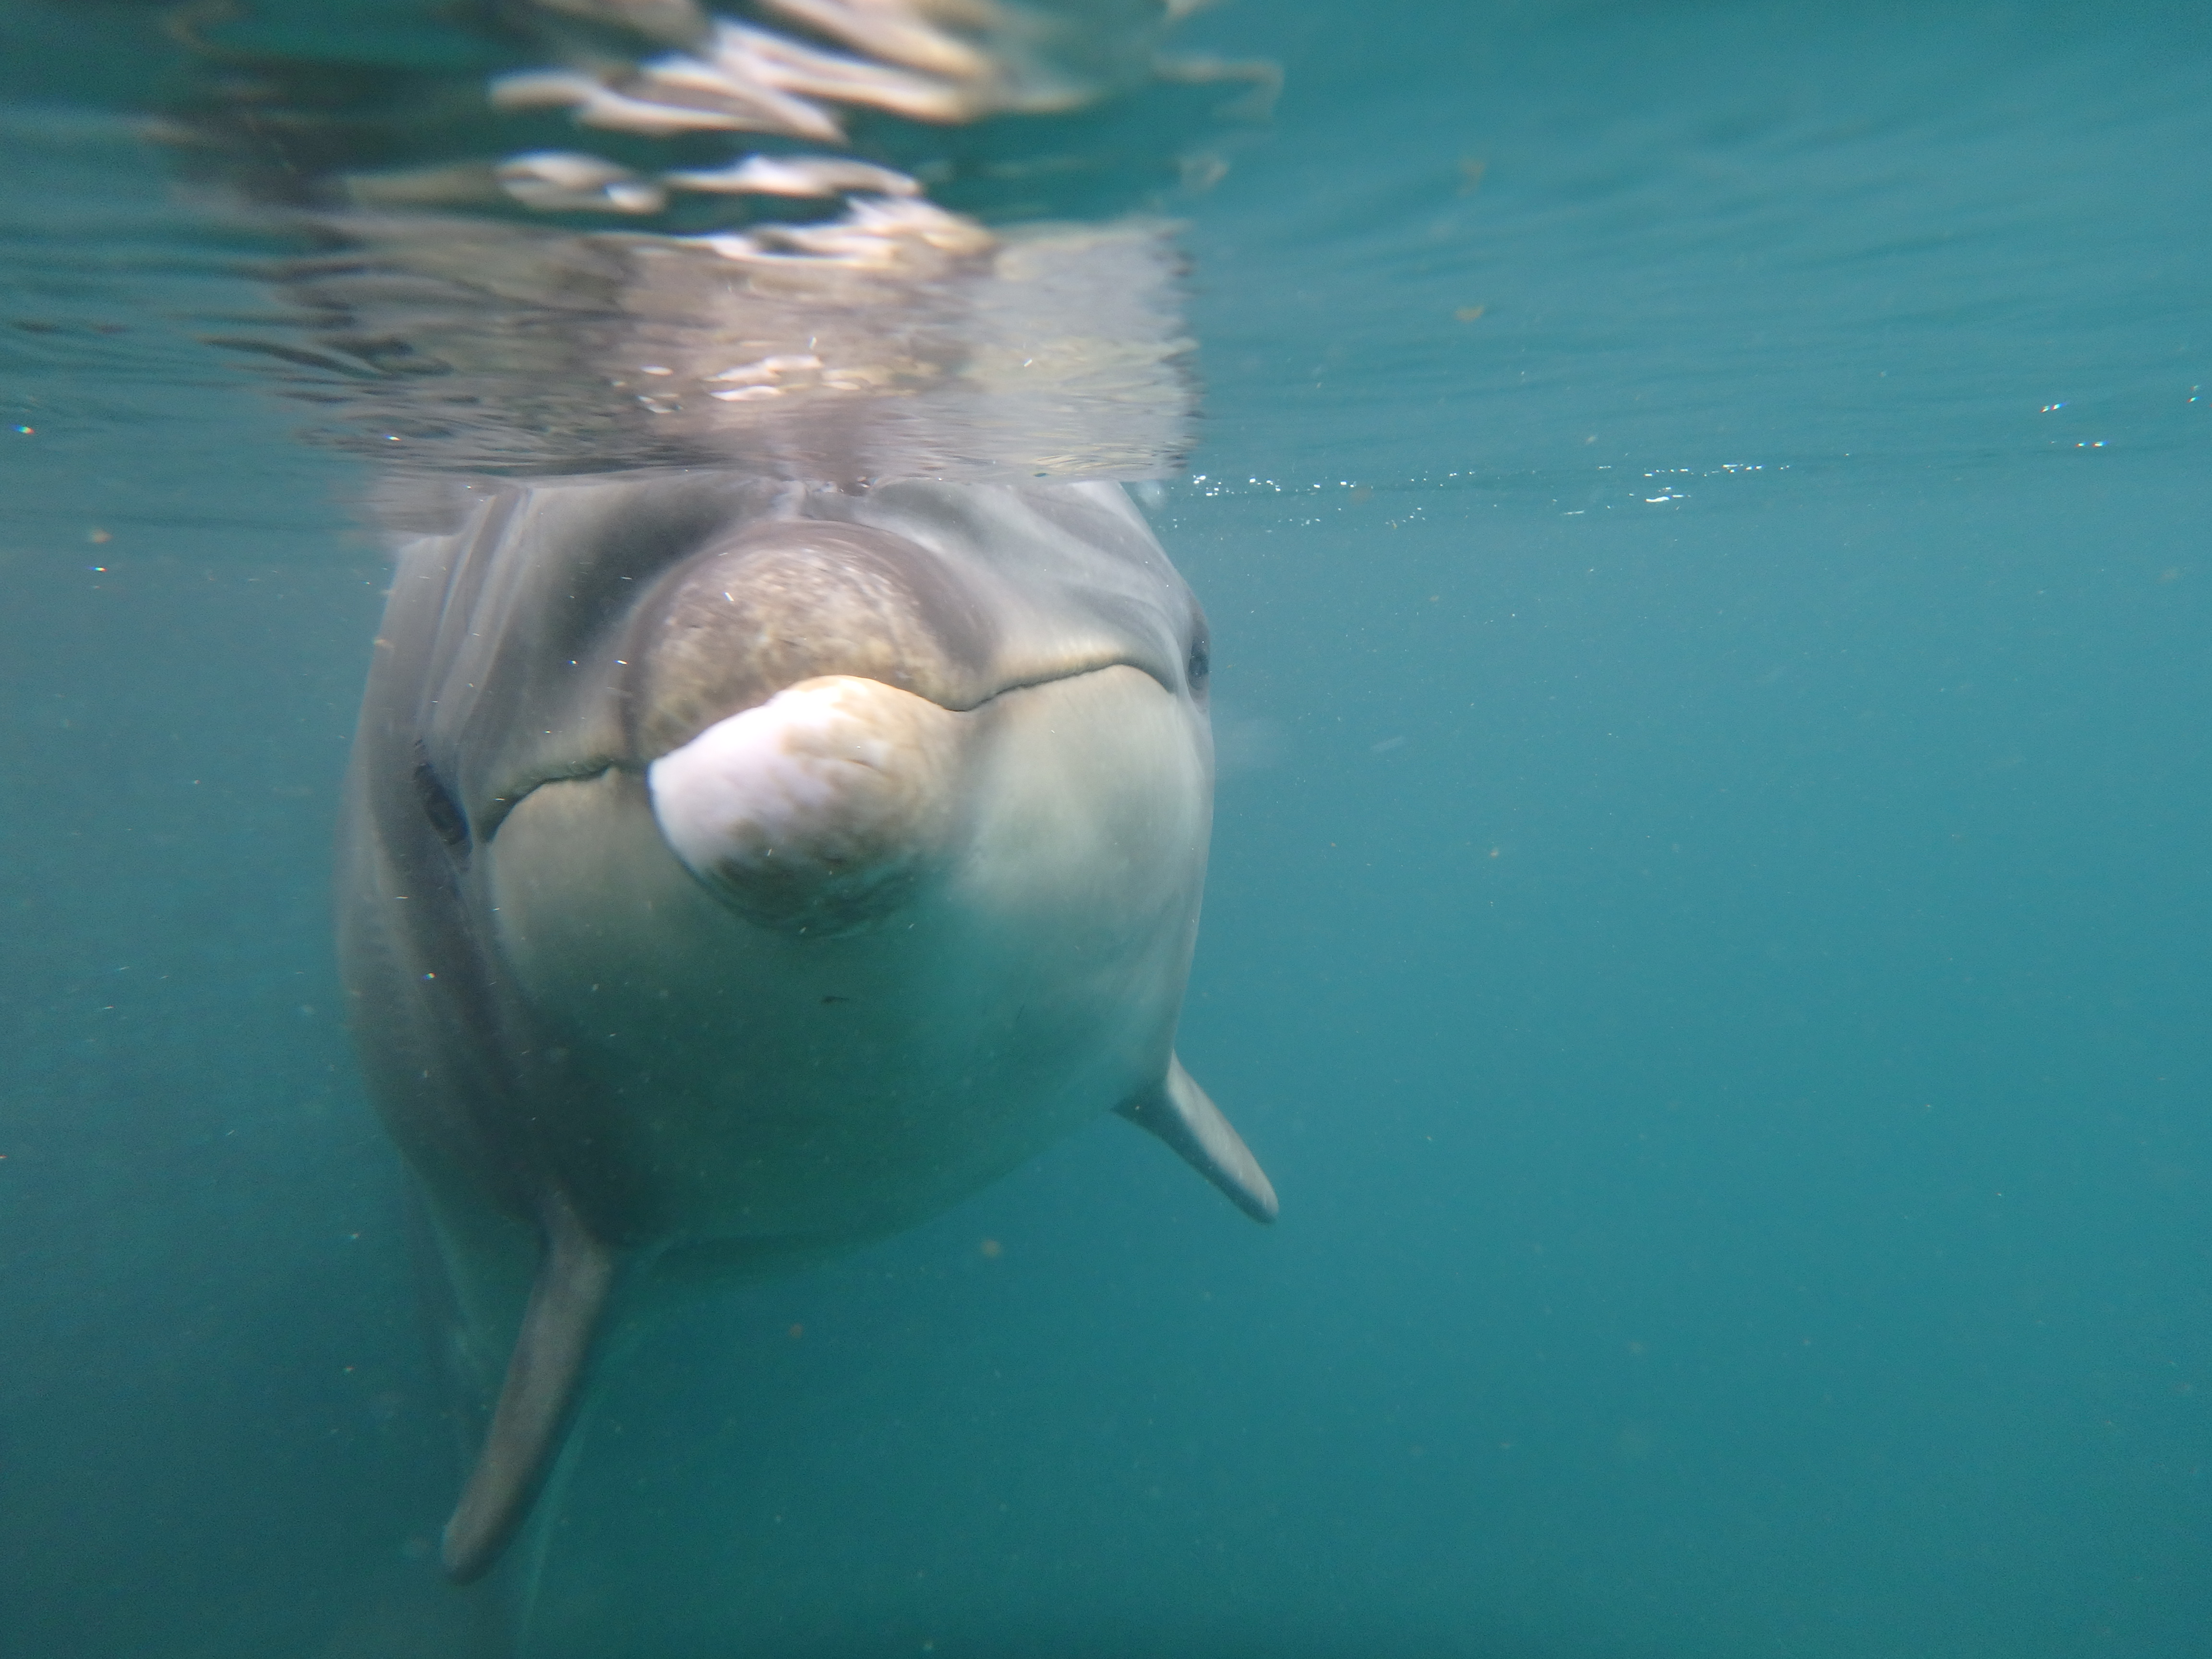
(1179, 1113)
(544, 1377)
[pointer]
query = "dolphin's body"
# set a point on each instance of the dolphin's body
(734, 872)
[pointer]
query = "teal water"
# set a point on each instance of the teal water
(1706, 926)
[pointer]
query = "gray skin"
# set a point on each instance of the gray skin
(735, 872)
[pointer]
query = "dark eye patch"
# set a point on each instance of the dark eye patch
(1198, 667)
(448, 821)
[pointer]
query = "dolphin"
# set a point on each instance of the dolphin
(735, 871)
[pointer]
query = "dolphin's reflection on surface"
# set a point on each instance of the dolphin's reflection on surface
(708, 286)
(895, 341)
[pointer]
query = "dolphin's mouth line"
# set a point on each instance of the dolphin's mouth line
(1033, 681)
(599, 766)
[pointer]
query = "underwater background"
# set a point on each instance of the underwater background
(1703, 510)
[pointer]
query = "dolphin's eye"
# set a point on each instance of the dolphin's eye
(1198, 665)
(446, 819)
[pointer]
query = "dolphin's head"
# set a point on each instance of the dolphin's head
(812, 685)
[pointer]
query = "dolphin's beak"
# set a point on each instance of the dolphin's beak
(818, 811)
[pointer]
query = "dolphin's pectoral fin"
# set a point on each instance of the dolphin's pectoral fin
(1179, 1113)
(544, 1376)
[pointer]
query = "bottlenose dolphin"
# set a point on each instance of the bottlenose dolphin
(734, 871)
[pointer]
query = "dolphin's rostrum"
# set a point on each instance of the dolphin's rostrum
(735, 871)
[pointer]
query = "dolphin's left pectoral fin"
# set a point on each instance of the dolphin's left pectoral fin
(544, 1376)
(1179, 1113)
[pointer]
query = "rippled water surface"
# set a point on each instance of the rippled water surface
(1703, 510)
